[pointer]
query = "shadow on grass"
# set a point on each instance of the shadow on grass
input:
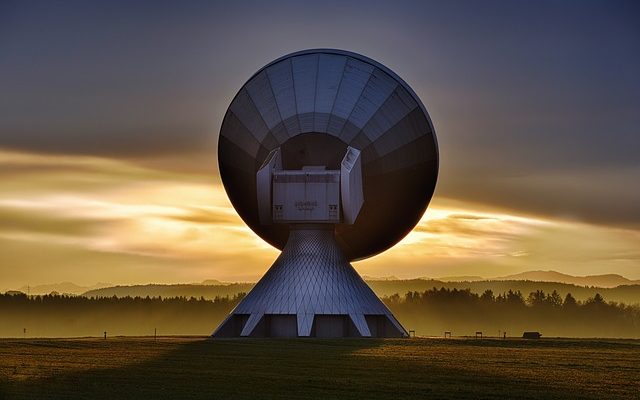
(271, 368)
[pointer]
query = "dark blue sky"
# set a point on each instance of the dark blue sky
(536, 104)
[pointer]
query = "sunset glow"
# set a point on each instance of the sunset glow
(107, 220)
(109, 135)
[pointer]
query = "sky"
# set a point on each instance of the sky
(110, 114)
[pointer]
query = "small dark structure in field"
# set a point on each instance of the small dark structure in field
(478, 335)
(447, 334)
(531, 335)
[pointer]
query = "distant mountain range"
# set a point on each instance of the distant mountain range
(214, 282)
(62, 288)
(208, 291)
(462, 278)
(603, 281)
(72, 288)
(380, 278)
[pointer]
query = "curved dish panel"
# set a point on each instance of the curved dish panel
(314, 104)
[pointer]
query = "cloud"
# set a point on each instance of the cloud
(535, 112)
(19, 220)
(90, 212)
(494, 242)
(207, 216)
(94, 219)
(605, 197)
(469, 217)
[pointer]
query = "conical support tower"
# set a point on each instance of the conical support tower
(311, 290)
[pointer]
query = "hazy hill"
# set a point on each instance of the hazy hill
(613, 287)
(606, 281)
(72, 288)
(629, 294)
(379, 278)
(214, 282)
(463, 278)
(208, 291)
(62, 288)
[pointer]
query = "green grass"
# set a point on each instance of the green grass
(197, 368)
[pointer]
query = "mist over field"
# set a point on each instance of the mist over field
(427, 307)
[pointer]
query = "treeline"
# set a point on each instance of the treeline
(629, 294)
(74, 316)
(463, 312)
(430, 312)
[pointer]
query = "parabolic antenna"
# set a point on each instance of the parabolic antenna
(330, 157)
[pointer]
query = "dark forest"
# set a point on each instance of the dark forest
(429, 313)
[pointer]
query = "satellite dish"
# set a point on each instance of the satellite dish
(330, 157)
(313, 104)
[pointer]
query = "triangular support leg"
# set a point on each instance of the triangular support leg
(305, 322)
(251, 324)
(361, 324)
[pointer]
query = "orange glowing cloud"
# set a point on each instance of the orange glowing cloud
(89, 219)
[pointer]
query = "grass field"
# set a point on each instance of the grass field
(197, 368)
